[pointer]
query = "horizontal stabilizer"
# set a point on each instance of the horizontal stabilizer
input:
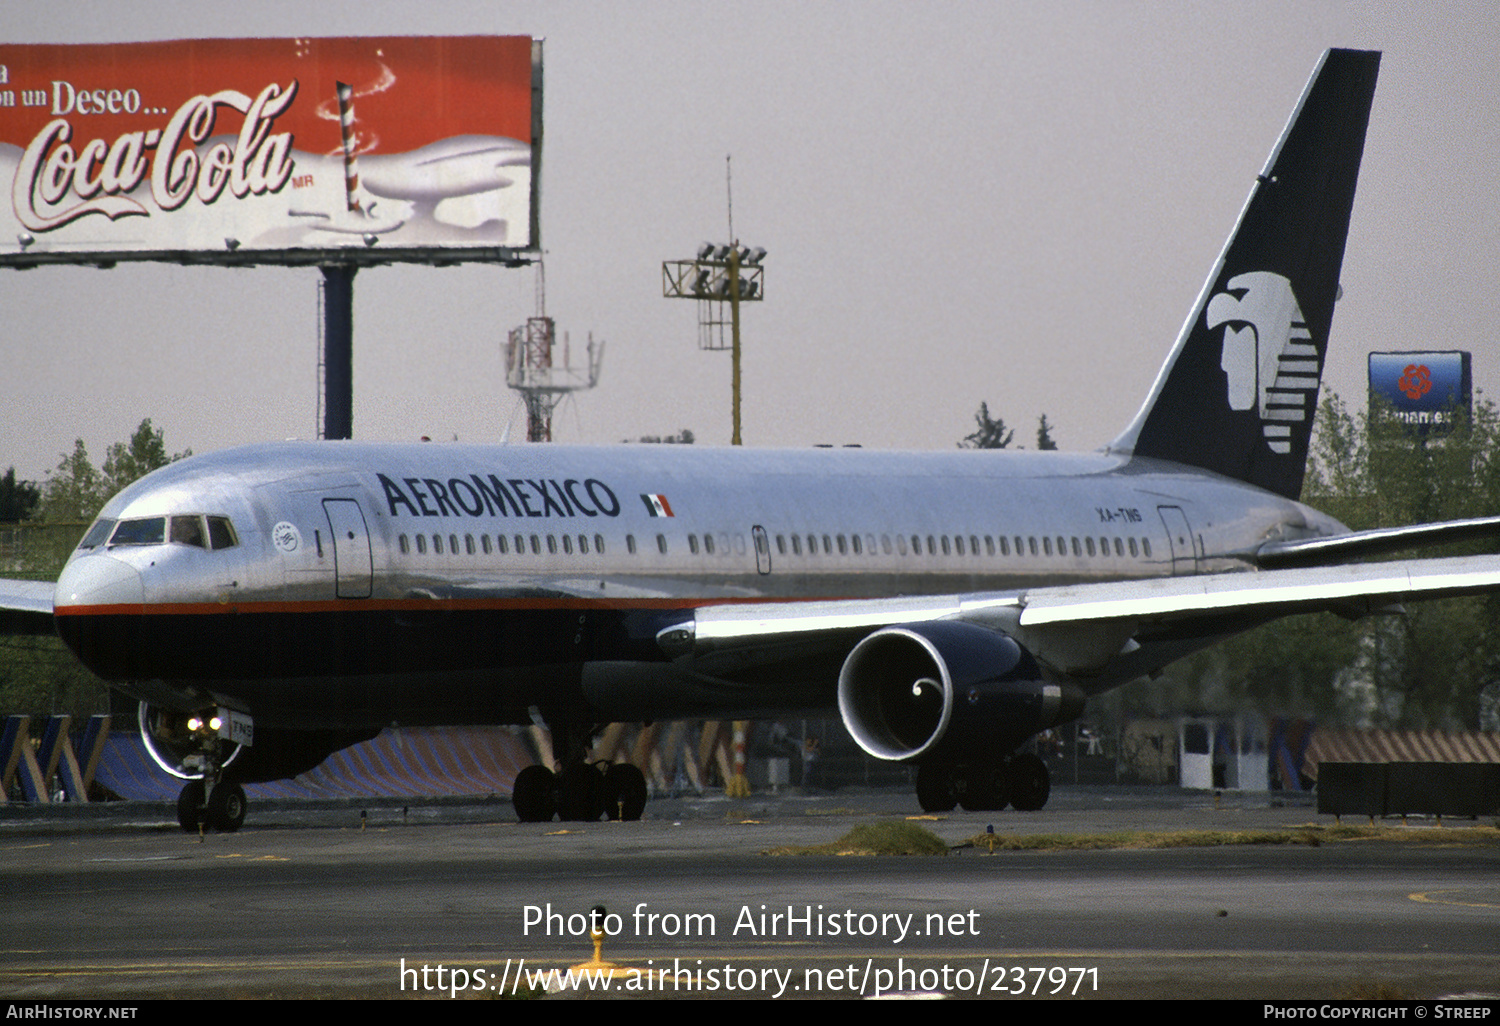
(1306, 551)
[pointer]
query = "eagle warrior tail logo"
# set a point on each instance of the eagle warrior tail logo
(1268, 357)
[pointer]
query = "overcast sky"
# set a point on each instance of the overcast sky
(1011, 202)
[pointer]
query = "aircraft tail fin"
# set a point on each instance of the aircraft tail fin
(1237, 394)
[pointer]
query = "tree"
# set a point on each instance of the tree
(75, 490)
(146, 451)
(17, 498)
(683, 437)
(1044, 442)
(989, 433)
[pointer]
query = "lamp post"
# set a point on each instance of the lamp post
(720, 274)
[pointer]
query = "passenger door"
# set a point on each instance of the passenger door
(353, 565)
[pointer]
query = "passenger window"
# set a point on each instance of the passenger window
(1046, 546)
(854, 541)
(437, 544)
(630, 544)
(552, 544)
(708, 544)
(520, 545)
(827, 545)
(1004, 545)
(796, 545)
(1146, 547)
(843, 546)
(599, 544)
(469, 544)
(421, 545)
(1031, 544)
(1132, 548)
(1119, 549)
(916, 544)
(781, 544)
(901, 544)
(1077, 549)
(958, 544)
(661, 544)
(503, 543)
(484, 541)
(221, 533)
(1089, 542)
(536, 545)
(931, 545)
(567, 541)
(404, 545)
(583, 545)
(693, 544)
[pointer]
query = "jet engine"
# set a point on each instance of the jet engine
(946, 690)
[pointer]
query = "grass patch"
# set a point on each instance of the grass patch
(875, 839)
(1311, 835)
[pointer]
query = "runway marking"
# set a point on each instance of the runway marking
(1429, 898)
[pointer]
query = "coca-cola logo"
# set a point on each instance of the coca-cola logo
(57, 183)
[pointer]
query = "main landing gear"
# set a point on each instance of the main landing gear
(581, 792)
(984, 784)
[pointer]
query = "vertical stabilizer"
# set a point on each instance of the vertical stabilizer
(1238, 392)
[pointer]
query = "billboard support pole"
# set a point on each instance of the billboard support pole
(338, 350)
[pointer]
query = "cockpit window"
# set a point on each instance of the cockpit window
(184, 529)
(146, 531)
(97, 534)
(188, 531)
(221, 533)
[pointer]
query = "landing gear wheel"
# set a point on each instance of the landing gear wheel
(935, 787)
(1030, 782)
(580, 793)
(534, 795)
(190, 806)
(226, 807)
(624, 792)
(988, 787)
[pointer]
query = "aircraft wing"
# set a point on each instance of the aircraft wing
(1080, 629)
(25, 607)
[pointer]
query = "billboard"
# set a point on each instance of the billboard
(1424, 390)
(271, 150)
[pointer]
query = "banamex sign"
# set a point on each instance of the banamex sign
(263, 148)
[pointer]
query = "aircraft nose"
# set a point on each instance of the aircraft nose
(98, 580)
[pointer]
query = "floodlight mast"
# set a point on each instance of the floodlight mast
(721, 273)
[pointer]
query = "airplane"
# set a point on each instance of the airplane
(271, 603)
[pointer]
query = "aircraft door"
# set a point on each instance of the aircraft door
(1180, 538)
(353, 566)
(762, 549)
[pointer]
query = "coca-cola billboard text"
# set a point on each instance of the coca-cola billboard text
(275, 150)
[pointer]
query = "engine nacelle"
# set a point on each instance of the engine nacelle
(946, 687)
